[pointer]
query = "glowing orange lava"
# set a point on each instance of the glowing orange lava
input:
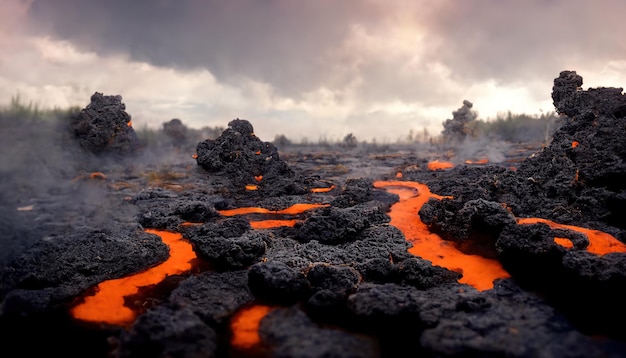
(437, 165)
(477, 271)
(322, 190)
(245, 326)
(194, 156)
(575, 144)
(130, 123)
(565, 242)
(294, 209)
(107, 305)
(600, 243)
(252, 187)
(399, 175)
(268, 224)
(258, 178)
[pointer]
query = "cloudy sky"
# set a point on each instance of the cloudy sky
(308, 69)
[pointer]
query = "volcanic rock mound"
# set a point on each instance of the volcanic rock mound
(241, 155)
(246, 160)
(104, 127)
(584, 167)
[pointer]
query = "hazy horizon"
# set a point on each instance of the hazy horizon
(373, 68)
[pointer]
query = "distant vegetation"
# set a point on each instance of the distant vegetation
(506, 127)
(16, 110)
(517, 127)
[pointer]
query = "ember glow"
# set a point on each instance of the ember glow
(107, 305)
(477, 271)
(438, 165)
(575, 144)
(479, 161)
(600, 243)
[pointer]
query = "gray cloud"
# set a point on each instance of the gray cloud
(281, 42)
(522, 40)
(296, 45)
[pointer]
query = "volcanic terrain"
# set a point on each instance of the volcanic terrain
(234, 247)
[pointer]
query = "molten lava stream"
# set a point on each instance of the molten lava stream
(292, 210)
(477, 271)
(107, 305)
(600, 243)
(322, 190)
(245, 327)
(269, 224)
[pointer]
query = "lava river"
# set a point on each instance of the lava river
(477, 271)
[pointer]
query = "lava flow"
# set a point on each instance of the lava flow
(267, 224)
(600, 243)
(477, 271)
(107, 305)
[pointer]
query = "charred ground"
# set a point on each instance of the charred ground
(77, 197)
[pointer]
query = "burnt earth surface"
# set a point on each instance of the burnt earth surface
(340, 281)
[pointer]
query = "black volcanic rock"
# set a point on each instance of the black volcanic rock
(214, 296)
(585, 163)
(564, 90)
(230, 253)
(509, 322)
(276, 282)
(333, 225)
(458, 220)
(60, 267)
(241, 155)
(168, 332)
(104, 127)
(331, 285)
(291, 333)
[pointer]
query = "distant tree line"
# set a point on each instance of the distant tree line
(516, 127)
